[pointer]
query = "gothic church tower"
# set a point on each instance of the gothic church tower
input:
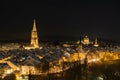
(34, 36)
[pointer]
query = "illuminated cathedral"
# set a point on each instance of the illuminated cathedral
(34, 36)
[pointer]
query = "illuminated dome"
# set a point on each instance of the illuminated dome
(86, 40)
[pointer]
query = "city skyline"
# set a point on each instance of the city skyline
(60, 18)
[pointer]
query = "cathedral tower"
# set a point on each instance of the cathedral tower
(34, 36)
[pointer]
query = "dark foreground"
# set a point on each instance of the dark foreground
(107, 70)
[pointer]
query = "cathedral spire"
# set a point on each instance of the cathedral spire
(34, 26)
(34, 36)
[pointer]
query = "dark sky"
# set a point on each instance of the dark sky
(60, 18)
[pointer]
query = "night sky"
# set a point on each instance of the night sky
(60, 18)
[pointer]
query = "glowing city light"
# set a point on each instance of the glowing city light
(9, 71)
